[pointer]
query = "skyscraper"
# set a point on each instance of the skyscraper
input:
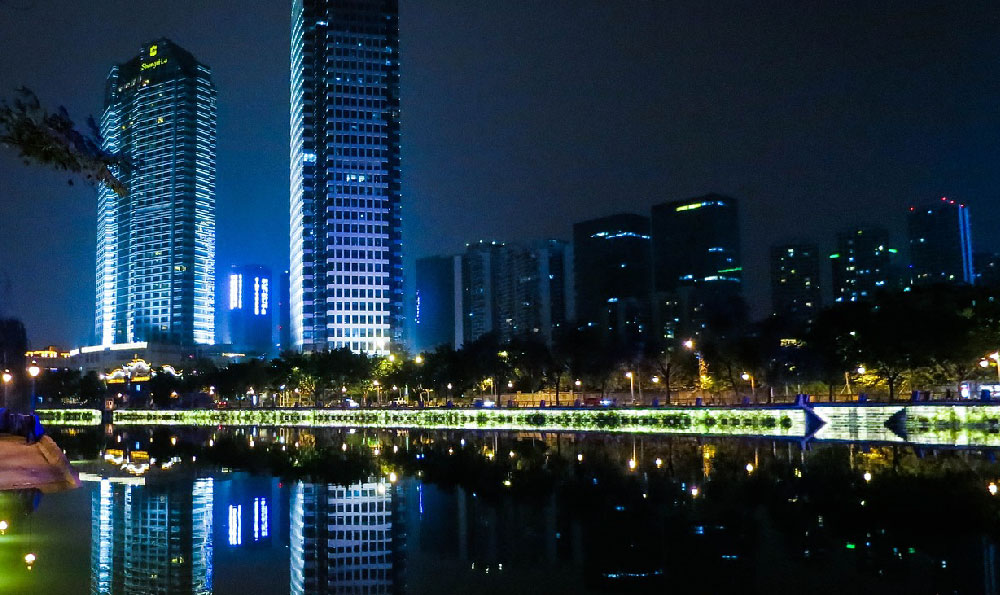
(863, 264)
(696, 242)
(795, 285)
(697, 264)
(434, 310)
(250, 292)
(611, 269)
(346, 271)
(940, 244)
(156, 244)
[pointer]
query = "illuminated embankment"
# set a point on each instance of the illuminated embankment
(776, 422)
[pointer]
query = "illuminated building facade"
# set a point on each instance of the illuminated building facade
(611, 271)
(151, 538)
(346, 271)
(156, 245)
(795, 284)
(343, 538)
(863, 265)
(940, 244)
(250, 305)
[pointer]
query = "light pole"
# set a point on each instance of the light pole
(631, 384)
(7, 379)
(33, 371)
(753, 386)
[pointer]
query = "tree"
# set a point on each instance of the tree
(51, 139)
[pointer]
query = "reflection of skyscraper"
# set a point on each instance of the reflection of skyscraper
(151, 538)
(343, 538)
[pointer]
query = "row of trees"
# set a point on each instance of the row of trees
(929, 338)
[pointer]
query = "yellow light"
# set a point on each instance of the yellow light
(992, 488)
(7, 376)
(392, 477)
(867, 476)
(749, 467)
(506, 482)
(861, 370)
(578, 383)
(655, 379)
(343, 447)
(29, 559)
(628, 374)
(694, 491)
(392, 357)
(995, 356)
(3, 527)
(34, 370)
(659, 462)
(745, 376)
(579, 457)
(173, 441)
(689, 344)
(419, 359)
(631, 464)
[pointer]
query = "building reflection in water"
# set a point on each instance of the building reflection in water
(344, 538)
(151, 537)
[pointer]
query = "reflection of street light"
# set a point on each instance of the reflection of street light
(33, 371)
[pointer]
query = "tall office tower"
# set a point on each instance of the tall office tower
(151, 538)
(284, 316)
(556, 295)
(697, 268)
(346, 233)
(435, 306)
(344, 539)
(250, 308)
(156, 244)
(863, 264)
(987, 268)
(611, 270)
(795, 285)
(940, 244)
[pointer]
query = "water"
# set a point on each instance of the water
(242, 511)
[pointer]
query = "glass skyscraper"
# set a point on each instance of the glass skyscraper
(156, 244)
(346, 271)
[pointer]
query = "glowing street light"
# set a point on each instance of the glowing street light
(419, 359)
(33, 371)
(29, 560)
(992, 488)
(631, 384)
(3, 527)
(688, 344)
(7, 379)
(578, 383)
(861, 370)
(867, 476)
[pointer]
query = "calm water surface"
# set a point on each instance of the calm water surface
(291, 511)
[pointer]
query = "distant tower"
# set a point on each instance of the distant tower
(795, 285)
(346, 269)
(940, 244)
(156, 245)
(863, 265)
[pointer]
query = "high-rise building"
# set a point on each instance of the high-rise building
(156, 244)
(697, 265)
(940, 244)
(346, 271)
(435, 306)
(863, 265)
(514, 291)
(611, 270)
(250, 308)
(795, 282)
(151, 538)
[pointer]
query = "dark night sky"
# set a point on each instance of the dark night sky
(522, 117)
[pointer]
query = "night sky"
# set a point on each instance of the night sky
(520, 118)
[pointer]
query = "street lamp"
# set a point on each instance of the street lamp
(419, 359)
(33, 371)
(753, 386)
(631, 384)
(7, 378)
